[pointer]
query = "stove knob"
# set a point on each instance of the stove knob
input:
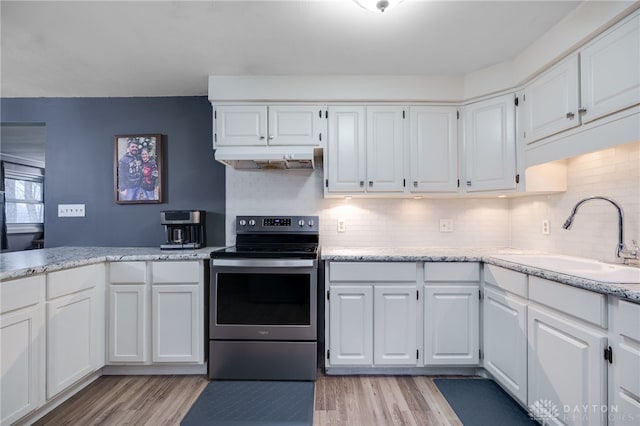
(252, 222)
(243, 222)
(301, 222)
(311, 223)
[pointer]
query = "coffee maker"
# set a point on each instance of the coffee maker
(184, 229)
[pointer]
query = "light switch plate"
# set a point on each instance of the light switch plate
(70, 210)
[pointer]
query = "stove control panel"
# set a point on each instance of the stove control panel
(276, 224)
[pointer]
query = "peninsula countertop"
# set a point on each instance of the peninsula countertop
(31, 262)
(629, 292)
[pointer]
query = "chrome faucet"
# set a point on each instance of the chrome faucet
(621, 251)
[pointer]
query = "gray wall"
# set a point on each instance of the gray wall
(80, 166)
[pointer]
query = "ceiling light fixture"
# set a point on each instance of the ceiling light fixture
(378, 6)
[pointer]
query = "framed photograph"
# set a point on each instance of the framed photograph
(138, 169)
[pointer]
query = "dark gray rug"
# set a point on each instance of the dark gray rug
(481, 402)
(253, 403)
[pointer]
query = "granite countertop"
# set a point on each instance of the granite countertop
(629, 292)
(31, 262)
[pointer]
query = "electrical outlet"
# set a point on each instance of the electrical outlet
(545, 227)
(341, 225)
(446, 225)
(70, 210)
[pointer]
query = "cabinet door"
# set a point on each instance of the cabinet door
(567, 371)
(71, 339)
(127, 323)
(295, 125)
(610, 71)
(505, 341)
(346, 149)
(550, 103)
(21, 354)
(241, 125)
(434, 149)
(351, 325)
(177, 322)
(624, 394)
(451, 326)
(394, 325)
(489, 144)
(385, 149)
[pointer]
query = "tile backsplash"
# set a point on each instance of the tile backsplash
(613, 173)
(477, 222)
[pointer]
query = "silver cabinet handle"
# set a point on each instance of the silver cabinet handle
(570, 115)
(361, 183)
(582, 110)
(270, 137)
(261, 138)
(468, 183)
(370, 183)
(415, 183)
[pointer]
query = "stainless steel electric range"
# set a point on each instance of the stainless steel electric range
(263, 301)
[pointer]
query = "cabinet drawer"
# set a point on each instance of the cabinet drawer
(372, 271)
(16, 294)
(128, 273)
(175, 272)
(512, 281)
(583, 304)
(70, 281)
(628, 320)
(451, 271)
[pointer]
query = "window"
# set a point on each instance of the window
(24, 198)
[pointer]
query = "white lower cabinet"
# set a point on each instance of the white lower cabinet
(505, 340)
(128, 308)
(372, 314)
(156, 312)
(75, 325)
(394, 325)
(624, 370)
(351, 325)
(22, 345)
(504, 313)
(177, 323)
(567, 373)
(451, 313)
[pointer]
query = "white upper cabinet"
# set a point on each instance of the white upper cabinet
(241, 125)
(550, 103)
(365, 149)
(385, 140)
(296, 125)
(584, 103)
(434, 149)
(610, 71)
(489, 144)
(262, 125)
(345, 162)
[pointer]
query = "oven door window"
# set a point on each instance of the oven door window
(263, 299)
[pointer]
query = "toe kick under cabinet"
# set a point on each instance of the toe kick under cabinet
(156, 312)
(389, 315)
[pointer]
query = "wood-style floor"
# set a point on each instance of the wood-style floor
(339, 401)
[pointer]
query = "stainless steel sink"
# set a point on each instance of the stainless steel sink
(578, 267)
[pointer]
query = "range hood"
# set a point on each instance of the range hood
(267, 157)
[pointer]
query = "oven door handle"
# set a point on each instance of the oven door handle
(265, 263)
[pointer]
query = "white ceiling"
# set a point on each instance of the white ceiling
(168, 48)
